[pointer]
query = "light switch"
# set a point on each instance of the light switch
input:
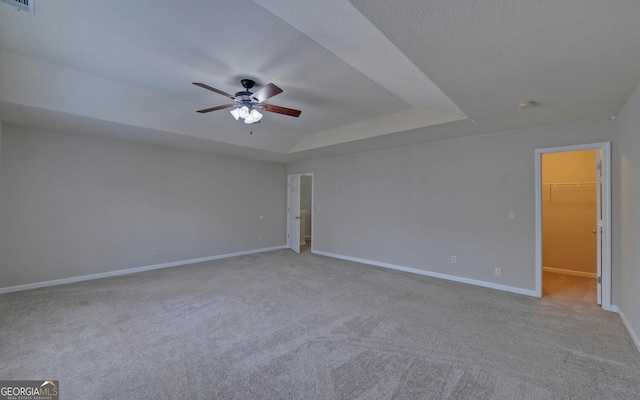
(512, 215)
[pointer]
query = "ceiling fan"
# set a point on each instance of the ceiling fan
(247, 105)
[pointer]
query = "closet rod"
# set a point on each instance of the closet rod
(558, 184)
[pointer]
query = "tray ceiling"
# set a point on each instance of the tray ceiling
(366, 74)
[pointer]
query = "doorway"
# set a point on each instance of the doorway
(300, 212)
(573, 234)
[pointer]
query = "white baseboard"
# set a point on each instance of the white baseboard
(82, 278)
(627, 325)
(475, 282)
(569, 272)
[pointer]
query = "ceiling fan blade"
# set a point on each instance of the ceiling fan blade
(282, 110)
(202, 85)
(268, 91)
(206, 110)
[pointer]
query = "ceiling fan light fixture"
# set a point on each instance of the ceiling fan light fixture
(235, 113)
(243, 112)
(256, 115)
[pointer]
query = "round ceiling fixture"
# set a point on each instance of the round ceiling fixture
(526, 104)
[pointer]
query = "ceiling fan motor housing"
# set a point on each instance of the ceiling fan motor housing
(242, 96)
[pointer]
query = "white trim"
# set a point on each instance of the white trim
(312, 214)
(627, 325)
(82, 278)
(606, 214)
(489, 285)
(570, 272)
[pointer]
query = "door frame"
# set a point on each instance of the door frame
(605, 147)
(312, 211)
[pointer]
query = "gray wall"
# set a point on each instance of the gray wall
(417, 206)
(627, 201)
(73, 205)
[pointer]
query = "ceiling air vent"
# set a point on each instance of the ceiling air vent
(21, 5)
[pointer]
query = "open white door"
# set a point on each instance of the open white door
(293, 213)
(598, 228)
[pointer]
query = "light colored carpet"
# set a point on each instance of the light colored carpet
(283, 326)
(569, 287)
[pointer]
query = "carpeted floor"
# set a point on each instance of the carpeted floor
(569, 287)
(283, 326)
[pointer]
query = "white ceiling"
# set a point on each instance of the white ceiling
(367, 74)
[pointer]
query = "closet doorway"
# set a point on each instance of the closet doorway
(300, 212)
(572, 223)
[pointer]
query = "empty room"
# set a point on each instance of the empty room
(349, 199)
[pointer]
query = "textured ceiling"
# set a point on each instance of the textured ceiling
(367, 74)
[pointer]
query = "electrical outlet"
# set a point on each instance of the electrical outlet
(342, 243)
(259, 237)
(454, 259)
(498, 271)
(155, 250)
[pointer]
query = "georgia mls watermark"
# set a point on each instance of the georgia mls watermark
(29, 390)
